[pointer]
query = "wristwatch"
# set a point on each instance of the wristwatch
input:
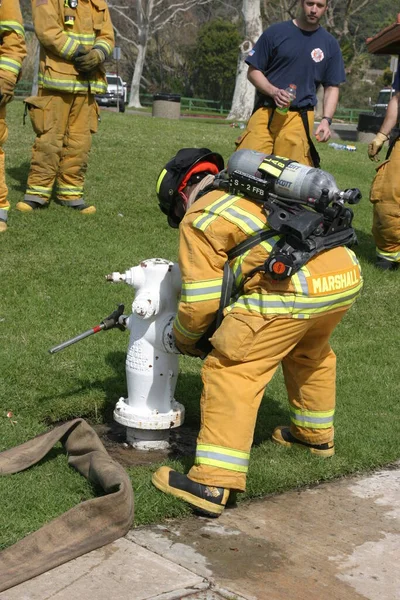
(328, 119)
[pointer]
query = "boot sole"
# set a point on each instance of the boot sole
(322, 453)
(198, 503)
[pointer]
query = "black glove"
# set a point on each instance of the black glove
(89, 61)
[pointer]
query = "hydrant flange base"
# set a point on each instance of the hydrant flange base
(126, 415)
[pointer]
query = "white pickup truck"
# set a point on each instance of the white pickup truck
(116, 88)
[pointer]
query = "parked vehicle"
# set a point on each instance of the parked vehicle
(116, 88)
(382, 102)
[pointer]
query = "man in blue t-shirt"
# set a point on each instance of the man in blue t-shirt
(385, 189)
(302, 53)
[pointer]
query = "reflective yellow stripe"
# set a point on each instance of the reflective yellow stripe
(211, 212)
(160, 179)
(72, 86)
(70, 190)
(12, 26)
(312, 419)
(393, 256)
(247, 222)
(185, 332)
(83, 38)
(69, 48)
(9, 64)
(38, 190)
(293, 305)
(224, 458)
(201, 290)
(104, 47)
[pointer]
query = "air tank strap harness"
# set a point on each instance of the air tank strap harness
(308, 225)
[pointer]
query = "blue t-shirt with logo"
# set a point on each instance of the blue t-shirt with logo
(287, 54)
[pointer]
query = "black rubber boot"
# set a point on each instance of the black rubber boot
(386, 265)
(281, 435)
(208, 501)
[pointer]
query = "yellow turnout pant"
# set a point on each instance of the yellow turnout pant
(286, 135)
(385, 197)
(63, 124)
(4, 204)
(247, 352)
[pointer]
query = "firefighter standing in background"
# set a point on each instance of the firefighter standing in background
(385, 189)
(303, 53)
(76, 37)
(288, 321)
(12, 53)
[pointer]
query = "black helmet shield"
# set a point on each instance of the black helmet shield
(174, 173)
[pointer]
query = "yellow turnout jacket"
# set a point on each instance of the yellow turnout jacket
(12, 40)
(61, 30)
(215, 224)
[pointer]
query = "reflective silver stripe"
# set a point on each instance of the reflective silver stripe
(208, 292)
(290, 304)
(70, 191)
(240, 218)
(3, 214)
(303, 282)
(36, 198)
(308, 419)
(185, 332)
(222, 458)
(77, 202)
(213, 210)
(392, 256)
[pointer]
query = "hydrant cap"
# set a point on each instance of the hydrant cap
(177, 173)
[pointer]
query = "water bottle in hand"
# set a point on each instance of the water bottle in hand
(291, 90)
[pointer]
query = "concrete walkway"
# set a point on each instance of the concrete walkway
(337, 541)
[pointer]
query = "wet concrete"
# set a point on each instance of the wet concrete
(339, 540)
(336, 541)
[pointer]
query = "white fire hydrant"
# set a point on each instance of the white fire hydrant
(150, 410)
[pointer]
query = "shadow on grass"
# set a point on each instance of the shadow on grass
(365, 248)
(19, 175)
(182, 439)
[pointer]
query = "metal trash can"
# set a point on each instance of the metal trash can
(167, 106)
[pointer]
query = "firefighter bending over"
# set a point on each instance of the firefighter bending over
(12, 53)
(274, 320)
(76, 37)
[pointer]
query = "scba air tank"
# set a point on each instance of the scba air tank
(288, 179)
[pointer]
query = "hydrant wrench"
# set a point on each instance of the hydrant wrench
(110, 322)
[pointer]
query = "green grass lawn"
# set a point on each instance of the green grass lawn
(53, 267)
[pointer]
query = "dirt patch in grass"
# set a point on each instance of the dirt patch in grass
(113, 435)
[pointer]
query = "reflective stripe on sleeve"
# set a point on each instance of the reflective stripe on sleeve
(12, 26)
(224, 458)
(69, 48)
(104, 47)
(201, 290)
(9, 64)
(185, 332)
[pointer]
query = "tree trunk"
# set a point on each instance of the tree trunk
(134, 100)
(243, 96)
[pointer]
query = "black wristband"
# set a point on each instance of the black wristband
(328, 119)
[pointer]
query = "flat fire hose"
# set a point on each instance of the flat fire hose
(85, 527)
